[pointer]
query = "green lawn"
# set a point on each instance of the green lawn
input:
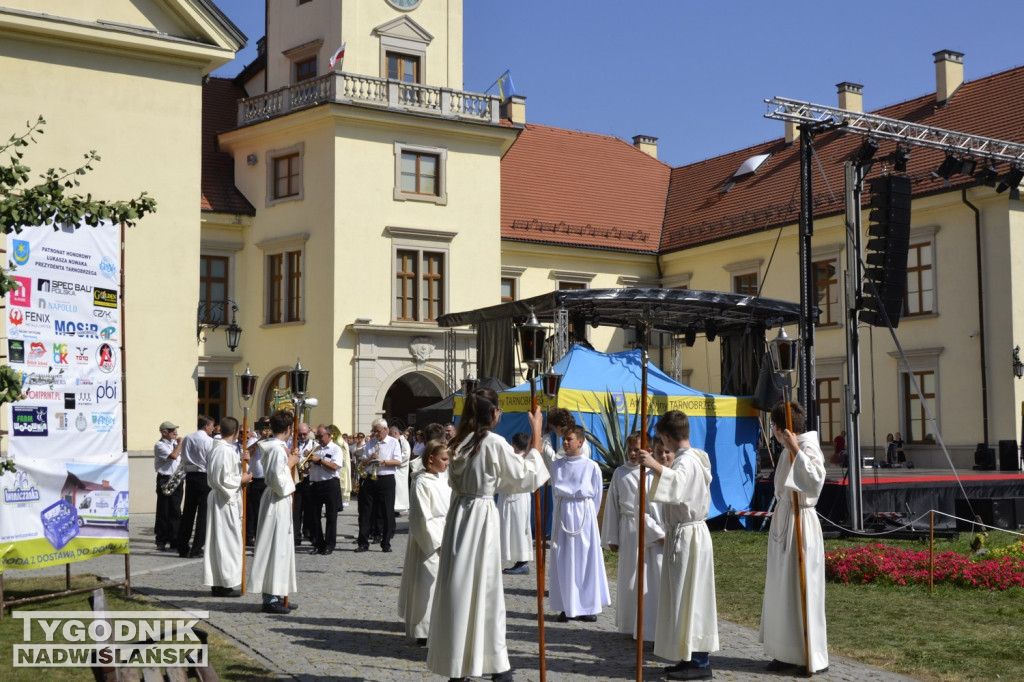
(951, 634)
(229, 662)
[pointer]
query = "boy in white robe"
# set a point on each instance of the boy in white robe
(222, 561)
(782, 626)
(514, 512)
(579, 585)
(429, 501)
(687, 629)
(273, 563)
(619, 533)
(402, 474)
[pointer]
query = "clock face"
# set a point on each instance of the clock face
(403, 4)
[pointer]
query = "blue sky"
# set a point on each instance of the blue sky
(695, 74)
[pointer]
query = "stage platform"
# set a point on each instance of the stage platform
(998, 497)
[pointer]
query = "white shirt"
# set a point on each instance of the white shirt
(195, 447)
(255, 459)
(161, 462)
(332, 453)
(385, 449)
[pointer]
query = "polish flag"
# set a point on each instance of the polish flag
(338, 56)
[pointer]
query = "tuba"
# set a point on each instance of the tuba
(173, 482)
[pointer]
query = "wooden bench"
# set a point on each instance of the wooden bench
(110, 673)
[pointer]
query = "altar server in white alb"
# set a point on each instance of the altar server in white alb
(687, 629)
(467, 621)
(620, 533)
(402, 474)
(222, 561)
(429, 498)
(514, 511)
(579, 585)
(273, 563)
(782, 628)
(560, 420)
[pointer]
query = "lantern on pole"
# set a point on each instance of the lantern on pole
(531, 341)
(469, 384)
(551, 383)
(246, 390)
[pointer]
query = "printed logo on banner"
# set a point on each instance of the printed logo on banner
(104, 422)
(37, 354)
(69, 401)
(59, 287)
(84, 398)
(62, 419)
(85, 330)
(108, 268)
(81, 355)
(36, 319)
(106, 392)
(37, 394)
(50, 380)
(105, 358)
(62, 307)
(22, 296)
(16, 350)
(104, 298)
(22, 492)
(103, 314)
(16, 318)
(22, 251)
(108, 333)
(28, 421)
(81, 423)
(60, 353)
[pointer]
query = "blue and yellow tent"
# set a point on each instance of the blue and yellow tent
(726, 427)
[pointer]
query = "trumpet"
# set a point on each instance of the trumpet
(173, 482)
(365, 464)
(304, 464)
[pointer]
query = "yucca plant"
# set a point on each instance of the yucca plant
(612, 452)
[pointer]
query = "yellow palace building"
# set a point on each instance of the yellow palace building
(347, 198)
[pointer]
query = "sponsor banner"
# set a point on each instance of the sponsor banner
(587, 401)
(68, 501)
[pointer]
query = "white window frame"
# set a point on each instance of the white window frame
(418, 239)
(515, 274)
(741, 268)
(926, 236)
(441, 198)
(301, 53)
(271, 156)
(920, 360)
(573, 277)
(678, 281)
(405, 36)
(833, 252)
(282, 246)
(223, 249)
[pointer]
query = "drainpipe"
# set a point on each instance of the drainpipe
(981, 316)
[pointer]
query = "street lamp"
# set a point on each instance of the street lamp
(211, 314)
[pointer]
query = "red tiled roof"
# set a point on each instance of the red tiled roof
(573, 188)
(698, 212)
(220, 112)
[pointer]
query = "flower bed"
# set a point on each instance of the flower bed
(880, 564)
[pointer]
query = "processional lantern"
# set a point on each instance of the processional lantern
(469, 384)
(299, 379)
(247, 384)
(531, 340)
(551, 383)
(785, 355)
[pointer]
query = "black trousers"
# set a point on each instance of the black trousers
(325, 494)
(379, 503)
(168, 512)
(302, 511)
(252, 507)
(194, 513)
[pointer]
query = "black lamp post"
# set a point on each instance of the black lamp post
(1018, 366)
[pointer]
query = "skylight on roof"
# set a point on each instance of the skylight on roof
(751, 165)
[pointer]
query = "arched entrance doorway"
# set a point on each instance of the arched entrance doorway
(409, 393)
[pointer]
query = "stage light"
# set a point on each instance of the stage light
(867, 150)
(900, 158)
(1012, 179)
(950, 165)
(710, 330)
(988, 174)
(968, 166)
(691, 336)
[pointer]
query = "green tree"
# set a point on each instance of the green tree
(51, 201)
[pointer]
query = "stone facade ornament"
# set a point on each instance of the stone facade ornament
(420, 348)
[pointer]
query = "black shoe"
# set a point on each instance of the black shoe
(562, 618)
(276, 607)
(421, 641)
(183, 553)
(589, 618)
(327, 551)
(161, 546)
(692, 672)
(315, 550)
(778, 666)
(816, 672)
(292, 606)
(385, 549)
(520, 568)
(502, 677)
(360, 548)
(196, 555)
(224, 592)
(681, 665)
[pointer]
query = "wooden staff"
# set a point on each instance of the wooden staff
(798, 536)
(539, 542)
(641, 515)
(245, 488)
(295, 444)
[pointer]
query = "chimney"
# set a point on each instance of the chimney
(949, 74)
(792, 132)
(851, 96)
(514, 109)
(647, 144)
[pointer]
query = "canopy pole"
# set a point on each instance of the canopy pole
(642, 331)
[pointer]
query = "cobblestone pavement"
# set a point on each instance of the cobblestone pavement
(346, 627)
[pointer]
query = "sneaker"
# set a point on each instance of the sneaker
(520, 568)
(277, 608)
(692, 672)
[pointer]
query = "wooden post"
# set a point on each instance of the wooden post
(641, 516)
(539, 542)
(931, 550)
(798, 539)
(245, 488)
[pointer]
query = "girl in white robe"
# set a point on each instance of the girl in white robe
(781, 618)
(687, 629)
(516, 530)
(222, 560)
(619, 533)
(579, 584)
(273, 562)
(430, 497)
(467, 620)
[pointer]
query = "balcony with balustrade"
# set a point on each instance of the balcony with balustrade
(347, 88)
